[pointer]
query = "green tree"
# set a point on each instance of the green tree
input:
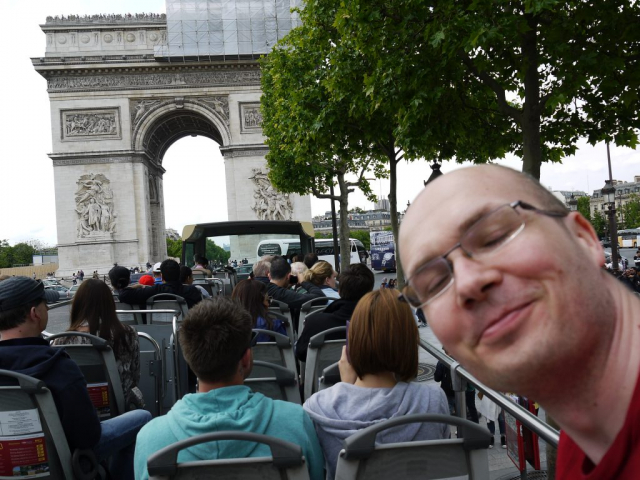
(552, 71)
(174, 248)
(363, 236)
(584, 207)
(216, 254)
(23, 254)
(6, 254)
(356, 210)
(599, 223)
(631, 212)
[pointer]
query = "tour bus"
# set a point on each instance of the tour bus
(323, 248)
(629, 238)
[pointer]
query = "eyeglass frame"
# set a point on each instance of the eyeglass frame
(403, 297)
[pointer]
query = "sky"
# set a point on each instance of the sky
(27, 211)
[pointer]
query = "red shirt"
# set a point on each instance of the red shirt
(622, 460)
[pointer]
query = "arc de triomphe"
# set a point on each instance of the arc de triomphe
(123, 89)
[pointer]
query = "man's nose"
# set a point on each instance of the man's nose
(473, 279)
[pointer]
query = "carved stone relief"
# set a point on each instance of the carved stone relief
(161, 80)
(251, 117)
(100, 124)
(94, 207)
(220, 105)
(268, 203)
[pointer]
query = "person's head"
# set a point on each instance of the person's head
(262, 267)
(310, 259)
(93, 303)
(146, 280)
(355, 282)
(527, 294)
(298, 269)
(202, 261)
(252, 294)
(23, 303)
(186, 275)
(156, 270)
(383, 337)
(119, 277)
(322, 273)
(280, 269)
(170, 270)
(215, 338)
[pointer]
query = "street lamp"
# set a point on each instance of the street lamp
(573, 203)
(435, 174)
(609, 195)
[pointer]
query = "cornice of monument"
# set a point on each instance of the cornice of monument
(246, 150)
(96, 158)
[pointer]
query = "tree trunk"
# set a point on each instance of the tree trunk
(530, 124)
(393, 205)
(345, 247)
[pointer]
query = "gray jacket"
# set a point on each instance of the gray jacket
(343, 409)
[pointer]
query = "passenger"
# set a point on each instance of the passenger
(215, 338)
(541, 318)
(376, 376)
(262, 267)
(23, 318)
(355, 282)
(324, 276)
(186, 278)
(157, 273)
(298, 269)
(147, 281)
(310, 259)
(279, 280)
(170, 273)
(202, 264)
(94, 311)
(252, 295)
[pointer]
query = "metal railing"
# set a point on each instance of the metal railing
(460, 376)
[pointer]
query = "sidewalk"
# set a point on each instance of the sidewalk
(500, 465)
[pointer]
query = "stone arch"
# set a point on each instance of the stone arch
(159, 124)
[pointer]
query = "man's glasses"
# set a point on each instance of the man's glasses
(488, 234)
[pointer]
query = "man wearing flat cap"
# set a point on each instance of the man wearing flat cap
(23, 317)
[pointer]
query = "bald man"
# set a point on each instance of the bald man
(512, 284)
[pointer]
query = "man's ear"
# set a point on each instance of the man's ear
(586, 236)
(269, 275)
(246, 363)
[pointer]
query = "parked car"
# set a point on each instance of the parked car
(61, 289)
(48, 282)
(243, 271)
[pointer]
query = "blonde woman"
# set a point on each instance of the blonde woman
(324, 276)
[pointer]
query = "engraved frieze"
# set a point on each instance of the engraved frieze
(268, 203)
(94, 206)
(218, 104)
(250, 117)
(90, 124)
(102, 82)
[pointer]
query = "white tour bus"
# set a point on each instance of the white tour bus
(324, 249)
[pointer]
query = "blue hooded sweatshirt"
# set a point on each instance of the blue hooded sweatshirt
(343, 409)
(229, 408)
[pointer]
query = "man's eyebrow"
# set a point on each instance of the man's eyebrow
(477, 215)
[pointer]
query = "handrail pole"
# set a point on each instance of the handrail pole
(528, 419)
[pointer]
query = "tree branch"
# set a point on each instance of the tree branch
(490, 82)
(316, 193)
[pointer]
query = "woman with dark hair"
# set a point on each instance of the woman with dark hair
(252, 294)
(93, 311)
(377, 373)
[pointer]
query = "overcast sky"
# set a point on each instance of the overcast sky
(27, 208)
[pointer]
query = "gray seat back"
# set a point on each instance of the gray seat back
(329, 377)
(321, 354)
(361, 458)
(166, 301)
(286, 460)
(152, 382)
(278, 351)
(287, 324)
(125, 317)
(98, 365)
(42, 436)
(315, 305)
(275, 382)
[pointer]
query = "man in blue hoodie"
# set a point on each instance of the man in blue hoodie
(23, 317)
(215, 338)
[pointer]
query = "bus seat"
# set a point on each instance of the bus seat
(151, 382)
(309, 307)
(321, 354)
(278, 350)
(128, 318)
(287, 323)
(329, 377)
(361, 458)
(286, 457)
(278, 383)
(166, 301)
(98, 365)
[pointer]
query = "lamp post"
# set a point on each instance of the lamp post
(435, 174)
(573, 204)
(609, 195)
